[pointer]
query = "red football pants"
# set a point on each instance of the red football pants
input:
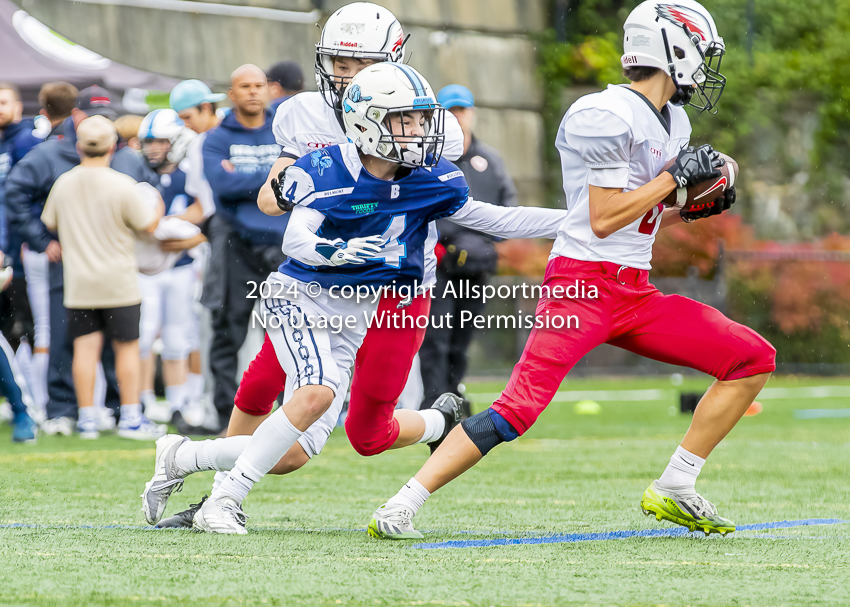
(381, 369)
(631, 314)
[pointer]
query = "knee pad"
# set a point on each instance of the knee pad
(487, 429)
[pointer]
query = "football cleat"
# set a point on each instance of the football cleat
(88, 428)
(141, 428)
(181, 520)
(106, 419)
(166, 478)
(451, 406)
(158, 411)
(25, 429)
(690, 510)
(58, 425)
(393, 522)
(222, 515)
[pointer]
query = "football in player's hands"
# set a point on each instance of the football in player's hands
(706, 194)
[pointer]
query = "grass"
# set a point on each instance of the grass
(569, 474)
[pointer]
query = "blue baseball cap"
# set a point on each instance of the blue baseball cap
(192, 93)
(455, 95)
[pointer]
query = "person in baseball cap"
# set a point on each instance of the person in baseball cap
(286, 78)
(195, 103)
(96, 101)
(455, 95)
(96, 136)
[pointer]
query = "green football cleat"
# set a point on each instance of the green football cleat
(689, 510)
(392, 522)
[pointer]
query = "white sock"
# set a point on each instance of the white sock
(682, 471)
(218, 479)
(177, 396)
(270, 442)
(40, 362)
(205, 455)
(130, 413)
(412, 495)
(87, 414)
(195, 383)
(435, 424)
(100, 387)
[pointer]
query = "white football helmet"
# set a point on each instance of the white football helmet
(380, 90)
(166, 124)
(679, 38)
(362, 30)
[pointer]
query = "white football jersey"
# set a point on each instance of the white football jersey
(305, 123)
(614, 139)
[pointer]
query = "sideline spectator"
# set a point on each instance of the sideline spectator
(96, 210)
(16, 139)
(27, 187)
(286, 79)
(57, 101)
(468, 255)
(168, 296)
(195, 104)
(238, 156)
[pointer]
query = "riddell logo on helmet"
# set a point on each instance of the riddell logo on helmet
(630, 60)
(347, 44)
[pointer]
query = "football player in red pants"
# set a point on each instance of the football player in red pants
(614, 146)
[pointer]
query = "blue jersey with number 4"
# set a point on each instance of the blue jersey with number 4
(355, 204)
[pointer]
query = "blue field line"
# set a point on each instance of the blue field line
(571, 538)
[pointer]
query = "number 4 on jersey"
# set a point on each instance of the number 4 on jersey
(394, 250)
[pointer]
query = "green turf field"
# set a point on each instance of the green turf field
(570, 475)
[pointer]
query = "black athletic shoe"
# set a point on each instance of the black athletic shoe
(451, 406)
(185, 429)
(181, 520)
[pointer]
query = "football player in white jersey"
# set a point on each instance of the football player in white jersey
(613, 146)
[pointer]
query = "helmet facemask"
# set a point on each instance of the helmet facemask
(408, 149)
(404, 148)
(331, 86)
(707, 81)
(156, 151)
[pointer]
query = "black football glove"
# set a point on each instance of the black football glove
(277, 187)
(695, 165)
(720, 205)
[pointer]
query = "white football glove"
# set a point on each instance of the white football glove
(356, 251)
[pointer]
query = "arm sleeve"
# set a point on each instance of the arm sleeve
(300, 241)
(137, 212)
(196, 183)
(298, 187)
(603, 140)
(509, 222)
(453, 148)
(283, 128)
(222, 182)
(24, 187)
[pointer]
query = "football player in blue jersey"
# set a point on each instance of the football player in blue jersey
(359, 222)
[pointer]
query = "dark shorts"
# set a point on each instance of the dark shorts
(118, 324)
